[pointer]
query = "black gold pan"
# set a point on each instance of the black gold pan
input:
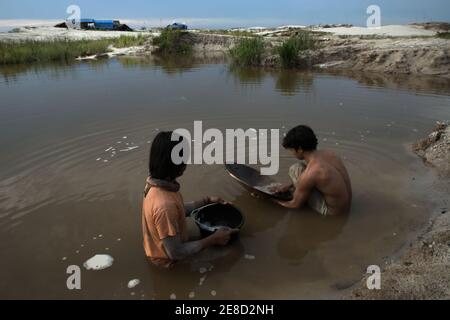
(252, 180)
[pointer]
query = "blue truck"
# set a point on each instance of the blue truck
(105, 25)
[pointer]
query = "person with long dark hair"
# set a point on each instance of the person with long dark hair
(169, 235)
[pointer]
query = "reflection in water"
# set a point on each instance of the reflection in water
(418, 83)
(291, 82)
(287, 82)
(172, 64)
(55, 70)
(248, 75)
(192, 275)
(293, 248)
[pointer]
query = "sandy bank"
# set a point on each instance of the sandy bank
(429, 56)
(51, 34)
(394, 50)
(387, 31)
(435, 149)
(423, 271)
(390, 49)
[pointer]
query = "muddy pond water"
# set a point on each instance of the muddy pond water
(74, 143)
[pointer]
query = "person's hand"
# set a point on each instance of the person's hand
(212, 200)
(281, 188)
(222, 236)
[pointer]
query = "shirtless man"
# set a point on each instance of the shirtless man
(323, 183)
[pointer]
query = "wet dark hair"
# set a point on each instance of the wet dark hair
(300, 137)
(160, 162)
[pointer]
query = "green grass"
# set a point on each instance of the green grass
(248, 52)
(15, 30)
(443, 35)
(12, 52)
(172, 42)
(290, 49)
(129, 41)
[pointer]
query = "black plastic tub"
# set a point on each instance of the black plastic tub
(212, 217)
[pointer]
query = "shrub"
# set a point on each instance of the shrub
(248, 52)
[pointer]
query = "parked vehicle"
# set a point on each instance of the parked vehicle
(93, 24)
(177, 26)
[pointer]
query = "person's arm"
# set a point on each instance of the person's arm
(177, 250)
(301, 193)
(191, 206)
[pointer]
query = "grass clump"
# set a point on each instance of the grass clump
(443, 35)
(248, 52)
(29, 51)
(129, 41)
(172, 42)
(290, 49)
(15, 30)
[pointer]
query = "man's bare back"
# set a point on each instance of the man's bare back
(331, 178)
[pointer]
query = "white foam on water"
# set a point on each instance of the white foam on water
(203, 270)
(99, 262)
(109, 149)
(133, 283)
(213, 293)
(173, 296)
(64, 259)
(192, 295)
(129, 149)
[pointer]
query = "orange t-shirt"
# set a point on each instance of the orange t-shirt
(163, 215)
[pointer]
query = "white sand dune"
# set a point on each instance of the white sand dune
(391, 31)
(51, 33)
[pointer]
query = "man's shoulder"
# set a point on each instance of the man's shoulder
(328, 153)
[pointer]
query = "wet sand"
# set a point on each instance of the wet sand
(57, 193)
